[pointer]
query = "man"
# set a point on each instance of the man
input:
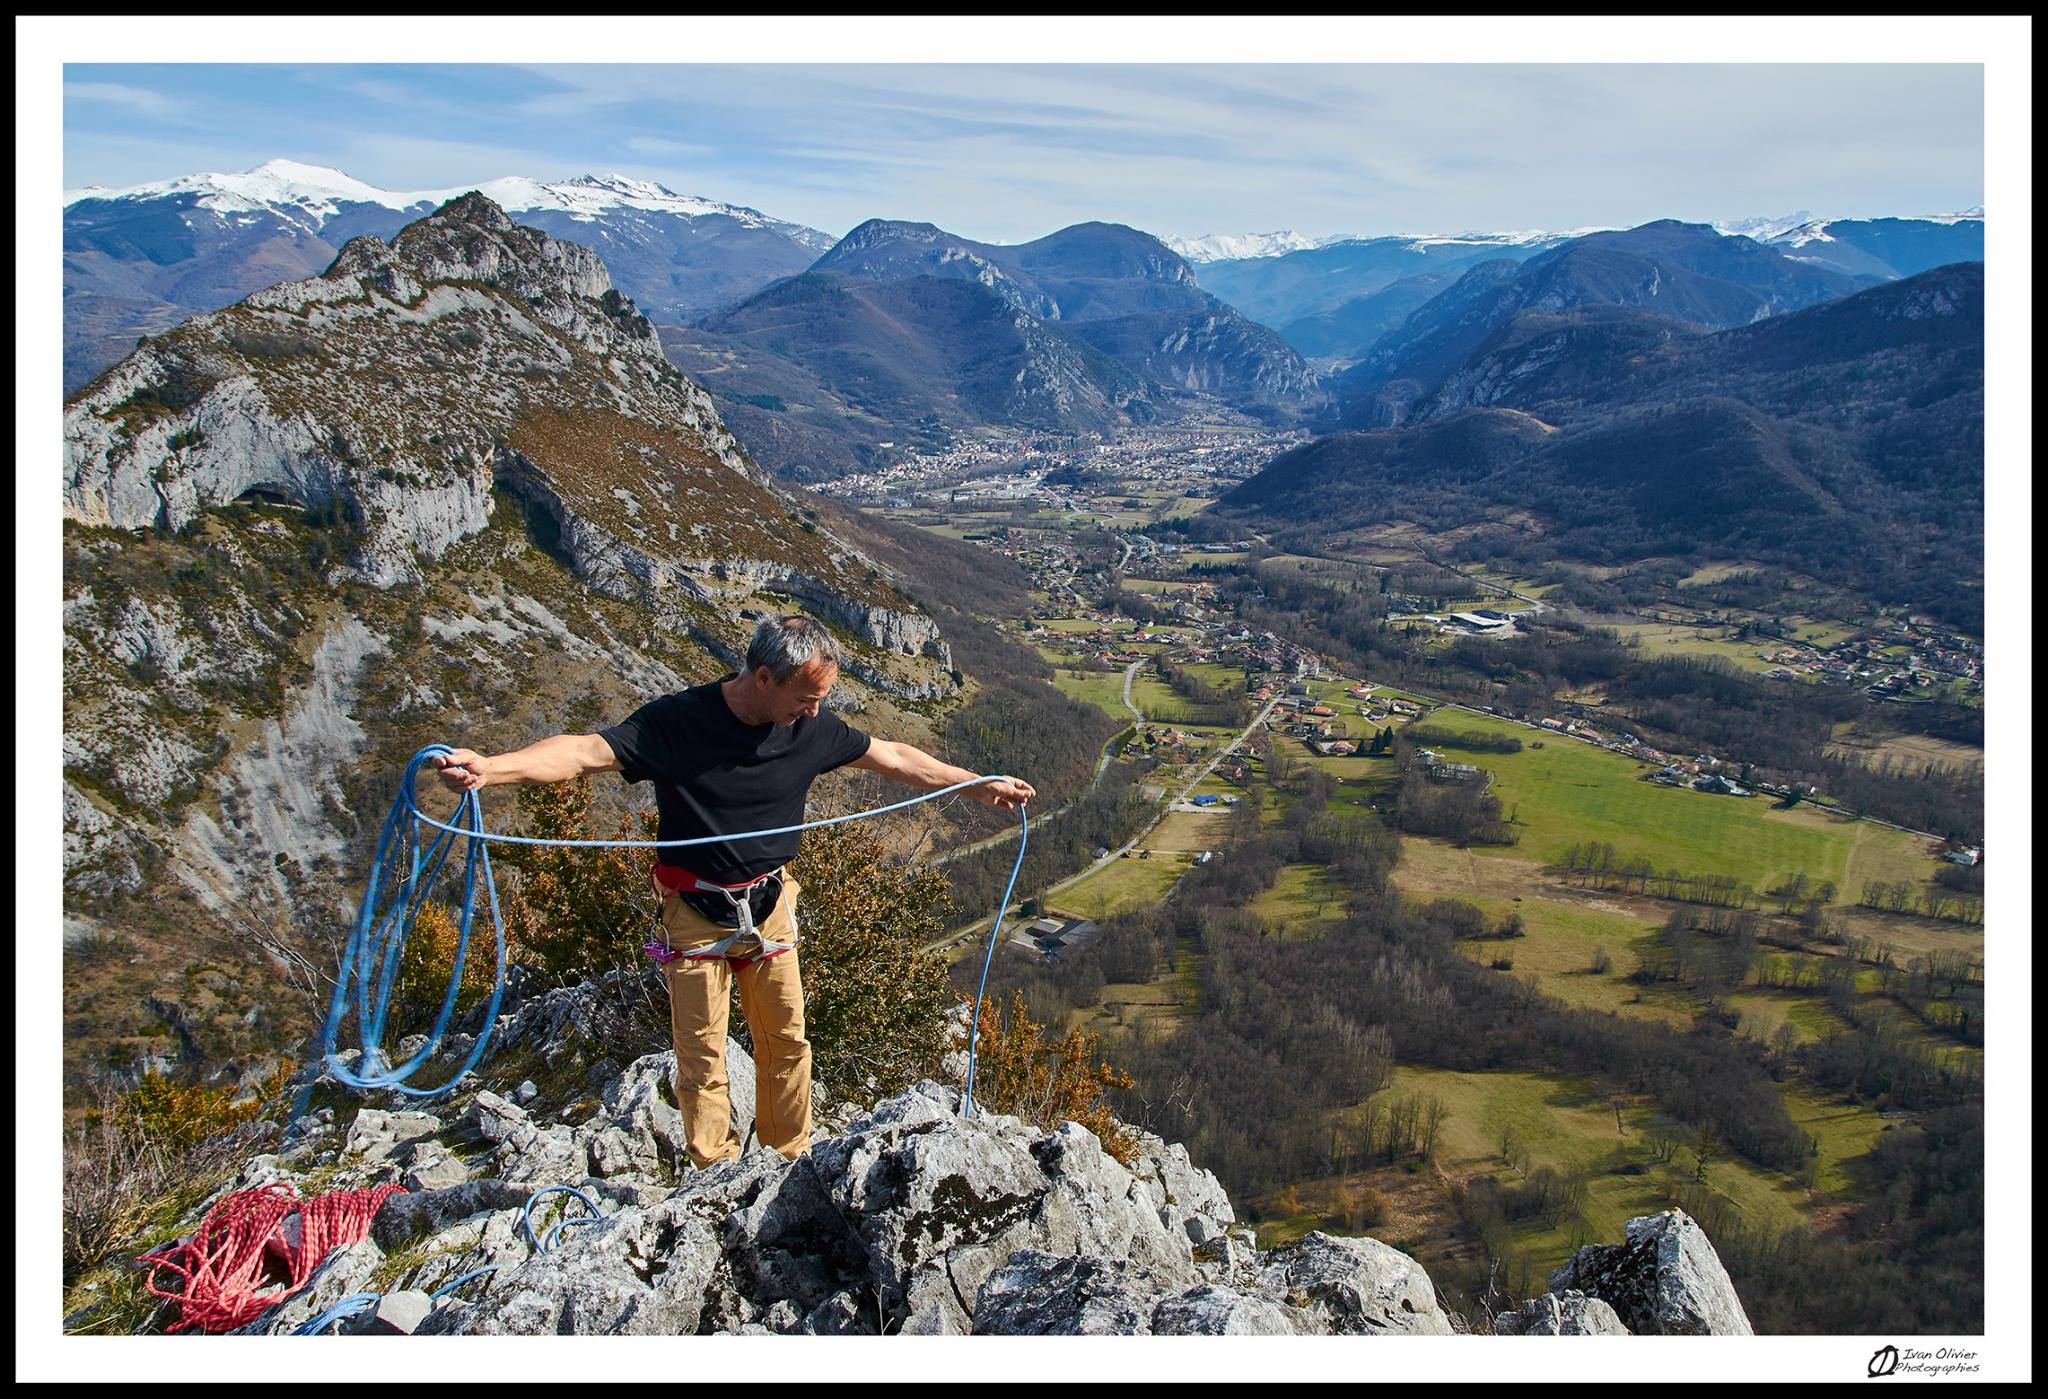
(738, 754)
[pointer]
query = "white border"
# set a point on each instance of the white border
(2003, 45)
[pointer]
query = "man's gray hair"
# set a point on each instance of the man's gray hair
(787, 644)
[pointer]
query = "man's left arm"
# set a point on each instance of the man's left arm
(914, 767)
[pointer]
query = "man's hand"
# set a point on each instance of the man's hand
(1010, 793)
(461, 770)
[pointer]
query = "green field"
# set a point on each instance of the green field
(1120, 886)
(1102, 688)
(1301, 897)
(1662, 639)
(1564, 1124)
(1572, 792)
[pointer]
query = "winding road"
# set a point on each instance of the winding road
(960, 934)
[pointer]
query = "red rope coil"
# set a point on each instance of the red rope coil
(249, 1237)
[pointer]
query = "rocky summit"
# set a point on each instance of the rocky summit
(903, 1218)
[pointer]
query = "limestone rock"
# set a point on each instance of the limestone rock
(1361, 1286)
(1560, 1314)
(1042, 1294)
(1666, 1280)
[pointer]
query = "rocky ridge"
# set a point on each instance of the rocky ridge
(449, 489)
(903, 1218)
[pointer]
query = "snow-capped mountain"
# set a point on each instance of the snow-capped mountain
(1226, 247)
(316, 193)
(141, 259)
(1886, 247)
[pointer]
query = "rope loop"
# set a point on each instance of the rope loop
(402, 877)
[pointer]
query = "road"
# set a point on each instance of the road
(961, 934)
(1130, 674)
(1101, 766)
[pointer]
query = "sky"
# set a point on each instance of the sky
(1006, 153)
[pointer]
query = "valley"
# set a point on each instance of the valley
(1609, 888)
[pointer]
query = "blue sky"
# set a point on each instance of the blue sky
(1008, 153)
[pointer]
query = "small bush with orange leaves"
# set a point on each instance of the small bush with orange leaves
(1019, 1072)
(576, 912)
(185, 1114)
(428, 961)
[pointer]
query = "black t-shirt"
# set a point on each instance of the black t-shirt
(713, 774)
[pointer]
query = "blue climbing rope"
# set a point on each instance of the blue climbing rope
(355, 1304)
(412, 863)
(546, 1243)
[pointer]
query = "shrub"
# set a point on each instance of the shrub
(1359, 1207)
(1047, 1082)
(185, 1114)
(428, 960)
(874, 1001)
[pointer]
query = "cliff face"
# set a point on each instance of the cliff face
(902, 1218)
(449, 489)
(402, 384)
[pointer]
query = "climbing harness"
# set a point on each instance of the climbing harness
(224, 1262)
(671, 879)
(370, 962)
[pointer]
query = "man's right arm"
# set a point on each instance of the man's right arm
(556, 759)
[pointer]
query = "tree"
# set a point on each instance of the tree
(1021, 1073)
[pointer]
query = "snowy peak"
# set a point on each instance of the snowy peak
(1763, 230)
(314, 193)
(285, 187)
(1231, 247)
(1224, 247)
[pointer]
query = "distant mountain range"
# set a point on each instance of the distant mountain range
(1685, 272)
(904, 329)
(1881, 247)
(1844, 440)
(138, 261)
(1332, 298)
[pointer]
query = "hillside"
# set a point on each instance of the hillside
(1685, 272)
(819, 369)
(448, 490)
(1844, 440)
(904, 333)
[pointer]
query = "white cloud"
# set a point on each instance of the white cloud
(139, 100)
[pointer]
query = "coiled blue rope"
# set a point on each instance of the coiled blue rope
(376, 945)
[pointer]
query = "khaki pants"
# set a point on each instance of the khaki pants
(772, 999)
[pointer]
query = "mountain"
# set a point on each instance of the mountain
(1844, 440)
(137, 261)
(448, 489)
(818, 372)
(1684, 272)
(1230, 247)
(1347, 331)
(1885, 247)
(1297, 287)
(905, 331)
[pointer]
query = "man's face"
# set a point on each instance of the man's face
(799, 696)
